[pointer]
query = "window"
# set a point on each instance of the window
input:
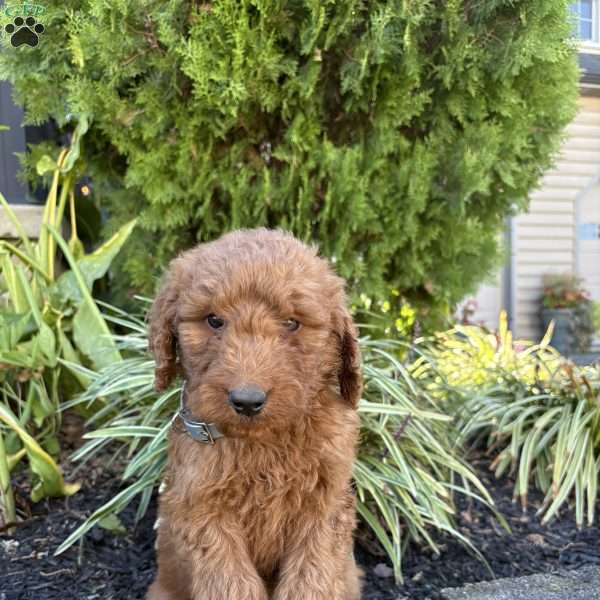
(14, 141)
(586, 20)
(11, 142)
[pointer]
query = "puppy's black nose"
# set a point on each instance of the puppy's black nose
(248, 401)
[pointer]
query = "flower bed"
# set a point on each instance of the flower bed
(120, 567)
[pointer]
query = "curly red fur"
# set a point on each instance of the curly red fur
(267, 512)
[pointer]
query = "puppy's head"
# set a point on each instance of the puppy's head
(257, 323)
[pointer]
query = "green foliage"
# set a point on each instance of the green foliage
(408, 466)
(397, 135)
(547, 433)
(538, 413)
(393, 318)
(596, 316)
(468, 356)
(48, 476)
(46, 317)
(7, 498)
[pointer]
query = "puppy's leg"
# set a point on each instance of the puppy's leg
(157, 592)
(353, 579)
(316, 565)
(172, 579)
(221, 568)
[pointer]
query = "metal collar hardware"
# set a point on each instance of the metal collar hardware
(205, 433)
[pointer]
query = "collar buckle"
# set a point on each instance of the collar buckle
(197, 430)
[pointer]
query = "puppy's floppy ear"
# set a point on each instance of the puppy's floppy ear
(350, 374)
(163, 333)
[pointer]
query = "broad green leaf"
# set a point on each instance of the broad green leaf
(16, 294)
(18, 358)
(92, 338)
(46, 339)
(46, 164)
(13, 327)
(83, 123)
(70, 356)
(41, 405)
(113, 524)
(29, 261)
(14, 459)
(52, 217)
(90, 331)
(23, 237)
(47, 344)
(93, 266)
(51, 482)
(76, 248)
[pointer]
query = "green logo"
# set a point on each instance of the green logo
(24, 10)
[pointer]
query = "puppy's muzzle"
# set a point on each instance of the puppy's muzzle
(248, 400)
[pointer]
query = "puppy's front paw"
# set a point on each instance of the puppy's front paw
(231, 588)
(314, 589)
(249, 590)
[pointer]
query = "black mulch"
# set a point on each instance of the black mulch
(113, 567)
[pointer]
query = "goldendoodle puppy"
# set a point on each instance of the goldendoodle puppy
(258, 502)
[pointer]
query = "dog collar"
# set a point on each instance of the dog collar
(206, 433)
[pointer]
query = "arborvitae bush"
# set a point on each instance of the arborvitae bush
(396, 134)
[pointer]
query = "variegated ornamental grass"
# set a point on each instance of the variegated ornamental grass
(538, 413)
(546, 434)
(408, 469)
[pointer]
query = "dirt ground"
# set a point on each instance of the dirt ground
(105, 566)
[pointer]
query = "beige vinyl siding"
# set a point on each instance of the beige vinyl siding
(489, 302)
(588, 262)
(545, 237)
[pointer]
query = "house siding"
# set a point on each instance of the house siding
(546, 236)
(544, 240)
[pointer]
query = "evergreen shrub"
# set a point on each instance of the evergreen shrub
(397, 135)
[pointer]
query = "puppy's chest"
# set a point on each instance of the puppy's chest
(272, 512)
(265, 500)
(271, 493)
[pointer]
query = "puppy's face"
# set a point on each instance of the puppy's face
(258, 324)
(250, 357)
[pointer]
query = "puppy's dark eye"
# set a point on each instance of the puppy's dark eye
(291, 324)
(215, 322)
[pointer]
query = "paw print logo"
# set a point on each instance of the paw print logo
(24, 31)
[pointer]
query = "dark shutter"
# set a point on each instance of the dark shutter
(11, 141)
